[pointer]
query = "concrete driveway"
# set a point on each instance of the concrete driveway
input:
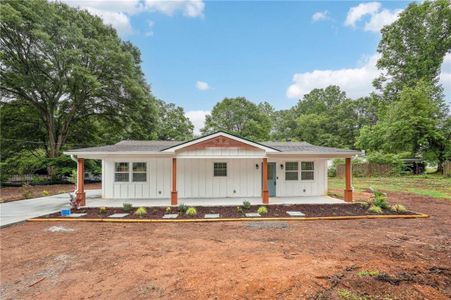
(18, 211)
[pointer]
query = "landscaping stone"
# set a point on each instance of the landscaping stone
(117, 215)
(76, 215)
(211, 216)
(295, 213)
(170, 216)
(252, 215)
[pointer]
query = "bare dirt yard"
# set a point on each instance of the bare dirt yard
(8, 194)
(359, 259)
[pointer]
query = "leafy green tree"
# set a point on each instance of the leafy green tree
(69, 67)
(238, 116)
(173, 124)
(413, 47)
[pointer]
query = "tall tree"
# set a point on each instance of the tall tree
(173, 124)
(413, 47)
(68, 66)
(238, 116)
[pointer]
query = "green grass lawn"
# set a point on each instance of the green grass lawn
(434, 186)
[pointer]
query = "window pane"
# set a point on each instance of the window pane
(139, 167)
(121, 167)
(291, 175)
(139, 177)
(307, 165)
(291, 166)
(121, 177)
(220, 169)
(307, 175)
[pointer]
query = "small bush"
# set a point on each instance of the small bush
(168, 209)
(375, 209)
(262, 210)
(239, 209)
(127, 207)
(27, 194)
(45, 193)
(398, 208)
(365, 205)
(191, 211)
(141, 211)
(381, 202)
(102, 210)
(182, 208)
(246, 205)
(368, 273)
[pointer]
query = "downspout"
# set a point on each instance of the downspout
(76, 182)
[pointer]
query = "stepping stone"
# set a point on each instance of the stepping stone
(252, 215)
(117, 215)
(211, 216)
(170, 216)
(77, 215)
(295, 213)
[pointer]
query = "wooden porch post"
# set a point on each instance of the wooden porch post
(81, 195)
(348, 174)
(265, 194)
(174, 182)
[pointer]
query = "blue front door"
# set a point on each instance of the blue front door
(272, 179)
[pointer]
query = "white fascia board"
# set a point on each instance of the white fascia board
(314, 154)
(212, 136)
(103, 155)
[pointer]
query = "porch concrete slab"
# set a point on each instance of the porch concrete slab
(76, 215)
(170, 216)
(252, 215)
(117, 215)
(99, 202)
(295, 213)
(211, 216)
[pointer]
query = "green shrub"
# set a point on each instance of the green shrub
(365, 205)
(168, 209)
(380, 201)
(375, 209)
(191, 211)
(127, 207)
(141, 211)
(102, 210)
(27, 194)
(45, 193)
(182, 208)
(398, 208)
(262, 210)
(239, 209)
(368, 273)
(246, 205)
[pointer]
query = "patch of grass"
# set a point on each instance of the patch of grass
(368, 273)
(348, 295)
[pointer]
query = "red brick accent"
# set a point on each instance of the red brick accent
(348, 176)
(81, 195)
(265, 193)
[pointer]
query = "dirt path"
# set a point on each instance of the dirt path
(296, 260)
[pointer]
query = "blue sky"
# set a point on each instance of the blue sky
(196, 52)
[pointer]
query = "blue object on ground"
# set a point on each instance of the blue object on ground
(65, 212)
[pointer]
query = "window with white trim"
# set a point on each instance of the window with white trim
(121, 172)
(220, 169)
(139, 172)
(307, 170)
(291, 170)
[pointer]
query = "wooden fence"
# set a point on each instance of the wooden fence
(366, 170)
(447, 169)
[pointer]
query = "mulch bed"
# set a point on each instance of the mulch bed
(274, 211)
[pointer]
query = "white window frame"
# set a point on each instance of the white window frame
(121, 172)
(133, 172)
(292, 171)
(312, 171)
(214, 169)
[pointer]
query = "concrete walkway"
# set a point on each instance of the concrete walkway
(21, 210)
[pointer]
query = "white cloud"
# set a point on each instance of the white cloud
(445, 76)
(377, 18)
(357, 82)
(117, 13)
(202, 85)
(197, 117)
(320, 16)
(357, 12)
(151, 25)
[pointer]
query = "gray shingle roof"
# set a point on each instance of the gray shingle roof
(157, 146)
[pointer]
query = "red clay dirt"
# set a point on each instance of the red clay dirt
(239, 260)
(8, 194)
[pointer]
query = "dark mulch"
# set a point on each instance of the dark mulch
(310, 210)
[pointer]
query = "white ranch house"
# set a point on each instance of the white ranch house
(215, 166)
